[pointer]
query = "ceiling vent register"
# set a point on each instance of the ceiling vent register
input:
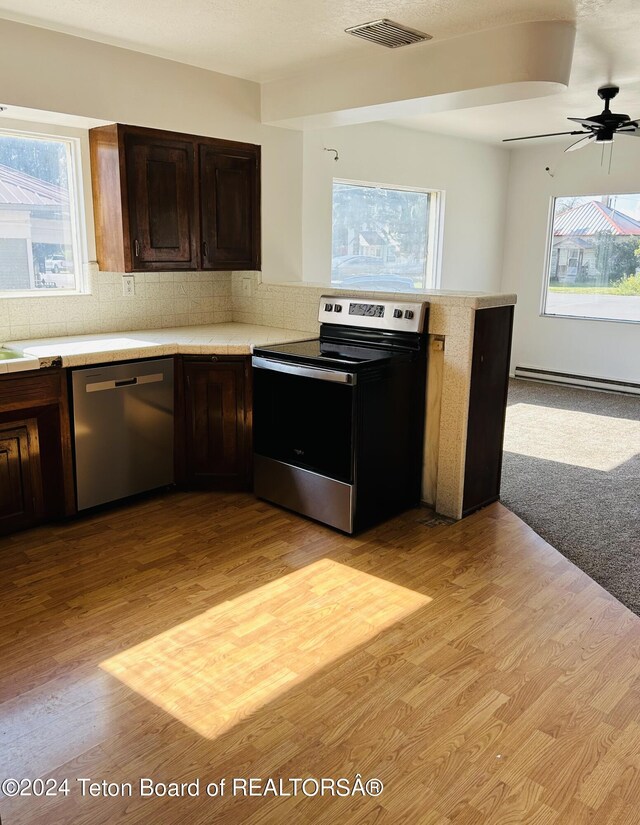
(387, 33)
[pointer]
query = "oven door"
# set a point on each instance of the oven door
(304, 416)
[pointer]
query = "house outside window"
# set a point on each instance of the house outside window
(593, 265)
(385, 238)
(40, 217)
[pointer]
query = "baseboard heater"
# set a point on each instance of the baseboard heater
(586, 381)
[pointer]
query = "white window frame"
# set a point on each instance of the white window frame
(547, 265)
(435, 227)
(80, 208)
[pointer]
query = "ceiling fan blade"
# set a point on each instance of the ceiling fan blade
(634, 132)
(588, 124)
(579, 143)
(549, 134)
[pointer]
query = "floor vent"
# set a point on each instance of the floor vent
(584, 381)
(434, 520)
(387, 33)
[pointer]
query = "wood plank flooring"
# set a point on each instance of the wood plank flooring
(475, 671)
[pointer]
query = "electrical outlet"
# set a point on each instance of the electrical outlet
(128, 286)
(247, 287)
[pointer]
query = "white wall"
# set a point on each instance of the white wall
(598, 348)
(55, 72)
(473, 176)
(46, 70)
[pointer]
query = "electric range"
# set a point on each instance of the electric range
(339, 419)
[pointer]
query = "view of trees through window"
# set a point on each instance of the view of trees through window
(383, 238)
(594, 263)
(37, 228)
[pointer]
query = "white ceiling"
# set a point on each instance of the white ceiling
(267, 40)
(606, 51)
(529, 117)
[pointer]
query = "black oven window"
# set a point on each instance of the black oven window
(305, 422)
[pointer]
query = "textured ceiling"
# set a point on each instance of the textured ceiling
(267, 40)
(606, 51)
(528, 117)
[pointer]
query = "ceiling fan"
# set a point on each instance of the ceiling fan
(598, 128)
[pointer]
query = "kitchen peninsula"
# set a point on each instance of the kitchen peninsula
(470, 344)
(468, 368)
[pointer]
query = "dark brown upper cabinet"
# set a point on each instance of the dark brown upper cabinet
(161, 200)
(169, 201)
(229, 197)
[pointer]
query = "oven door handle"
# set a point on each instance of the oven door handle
(318, 373)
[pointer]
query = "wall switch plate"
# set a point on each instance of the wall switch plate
(128, 286)
(247, 287)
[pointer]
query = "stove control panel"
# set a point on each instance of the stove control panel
(360, 311)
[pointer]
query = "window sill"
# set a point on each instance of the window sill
(589, 318)
(43, 293)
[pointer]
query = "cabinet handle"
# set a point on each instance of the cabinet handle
(205, 249)
(136, 248)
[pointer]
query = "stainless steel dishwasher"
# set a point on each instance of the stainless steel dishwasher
(123, 424)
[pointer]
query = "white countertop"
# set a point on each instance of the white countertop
(26, 362)
(450, 297)
(214, 339)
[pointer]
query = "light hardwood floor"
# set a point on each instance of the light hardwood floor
(474, 670)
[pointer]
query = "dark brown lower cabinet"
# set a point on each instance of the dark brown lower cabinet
(36, 473)
(21, 501)
(217, 421)
(487, 406)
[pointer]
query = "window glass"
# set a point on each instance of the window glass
(384, 238)
(594, 258)
(38, 217)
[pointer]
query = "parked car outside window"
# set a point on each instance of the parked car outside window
(58, 263)
(388, 236)
(379, 283)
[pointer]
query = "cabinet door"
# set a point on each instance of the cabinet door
(487, 406)
(161, 201)
(217, 440)
(230, 208)
(21, 501)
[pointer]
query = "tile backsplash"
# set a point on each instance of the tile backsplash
(162, 299)
(295, 305)
(289, 306)
(173, 299)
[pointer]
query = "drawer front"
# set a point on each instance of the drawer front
(35, 389)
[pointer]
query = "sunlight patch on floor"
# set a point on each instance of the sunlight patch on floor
(596, 442)
(214, 670)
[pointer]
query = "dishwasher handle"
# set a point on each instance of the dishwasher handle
(119, 383)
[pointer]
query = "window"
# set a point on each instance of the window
(594, 258)
(39, 214)
(384, 238)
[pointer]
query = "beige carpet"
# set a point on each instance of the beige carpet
(572, 471)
